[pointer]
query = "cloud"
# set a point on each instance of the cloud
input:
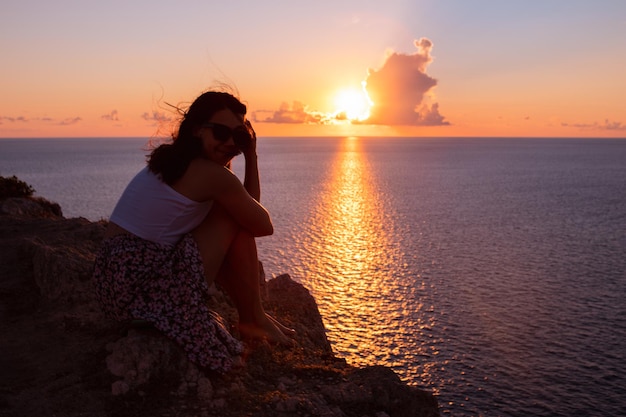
(113, 116)
(401, 93)
(21, 119)
(430, 116)
(13, 119)
(156, 116)
(607, 125)
(399, 90)
(70, 121)
(296, 113)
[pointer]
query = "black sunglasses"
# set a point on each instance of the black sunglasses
(241, 135)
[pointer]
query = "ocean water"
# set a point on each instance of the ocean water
(491, 272)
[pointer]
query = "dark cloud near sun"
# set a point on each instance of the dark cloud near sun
(296, 113)
(399, 90)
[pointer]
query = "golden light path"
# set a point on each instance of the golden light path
(354, 267)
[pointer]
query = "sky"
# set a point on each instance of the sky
(492, 68)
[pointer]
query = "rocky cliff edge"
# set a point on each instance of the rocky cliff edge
(60, 357)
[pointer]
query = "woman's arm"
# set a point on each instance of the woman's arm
(241, 204)
(251, 180)
(205, 180)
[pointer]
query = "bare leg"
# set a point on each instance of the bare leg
(239, 276)
(230, 258)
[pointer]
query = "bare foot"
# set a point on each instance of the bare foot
(287, 331)
(267, 330)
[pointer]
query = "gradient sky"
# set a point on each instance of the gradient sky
(431, 67)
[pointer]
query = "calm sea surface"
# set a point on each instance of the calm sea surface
(491, 272)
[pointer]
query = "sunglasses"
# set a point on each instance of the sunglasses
(242, 137)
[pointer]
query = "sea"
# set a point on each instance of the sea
(488, 271)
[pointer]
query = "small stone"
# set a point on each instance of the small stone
(291, 404)
(119, 388)
(205, 389)
(218, 403)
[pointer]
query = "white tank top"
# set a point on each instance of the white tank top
(152, 210)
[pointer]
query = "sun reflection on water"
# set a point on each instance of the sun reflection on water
(354, 267)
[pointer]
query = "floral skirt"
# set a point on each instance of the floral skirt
(165, 286)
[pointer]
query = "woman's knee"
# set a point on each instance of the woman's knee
(217, 227)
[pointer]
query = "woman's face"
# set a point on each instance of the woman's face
(220, 151)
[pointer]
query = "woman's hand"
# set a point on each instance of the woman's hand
(250, 150)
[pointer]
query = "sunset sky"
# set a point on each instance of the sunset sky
(427, 67)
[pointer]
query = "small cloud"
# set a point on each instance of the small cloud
(607, 125)
(156, 116)
(113, 116)
(70, 121)
(10, 119)
(296, 113)
(21, 119)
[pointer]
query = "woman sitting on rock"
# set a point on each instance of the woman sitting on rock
(183, 222)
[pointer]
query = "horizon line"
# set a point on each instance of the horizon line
(332, 137)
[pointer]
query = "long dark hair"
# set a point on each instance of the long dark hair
(170, 160)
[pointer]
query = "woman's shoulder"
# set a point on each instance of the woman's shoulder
(204, 167)
(204, 179)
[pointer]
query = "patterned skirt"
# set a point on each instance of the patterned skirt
(165, 286)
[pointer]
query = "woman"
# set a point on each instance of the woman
(186, 221)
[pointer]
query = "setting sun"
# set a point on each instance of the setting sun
(352, 104)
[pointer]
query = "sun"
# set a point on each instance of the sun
(352, 104)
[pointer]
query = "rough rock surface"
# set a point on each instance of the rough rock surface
(60, 357)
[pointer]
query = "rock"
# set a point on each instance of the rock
(30, 207)
(297, 308)
(60, 356)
